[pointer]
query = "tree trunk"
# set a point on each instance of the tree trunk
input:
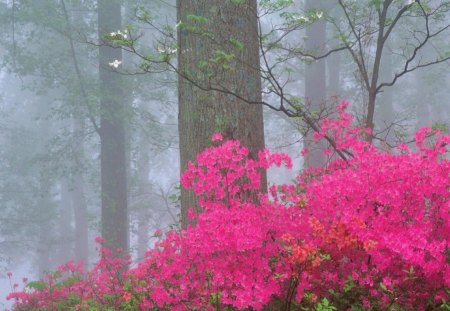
(65, 226)
(145, 204)
(333, 61)
(230, 28)
(315, 83)
(78, 198)
(385, 114)
(112, 133)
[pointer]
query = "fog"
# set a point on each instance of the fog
(50, 94)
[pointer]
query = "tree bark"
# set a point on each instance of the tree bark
(315, 83)
(202, 113)
(112, 133)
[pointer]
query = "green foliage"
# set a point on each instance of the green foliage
(349, 285)
(296, 102)
(38, 285)
(441, 127)
(196, 24)
(376, 3)
(275, 5)
(324, 305)
(236, 43)
(303, 20)
(143, 14)
(222, 57)
(222, 122)
(215, 298)
(235, 2)
(445, 305)
(197, 19)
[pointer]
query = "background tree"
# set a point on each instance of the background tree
(315, 81)
(368, 33)
(112, 131)
(67, 159)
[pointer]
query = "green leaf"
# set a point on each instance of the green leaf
(39, 285)
(236, 43)
(349, 285)
(376, 3)
(197, 18)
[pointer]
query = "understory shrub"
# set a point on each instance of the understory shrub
(368, 232)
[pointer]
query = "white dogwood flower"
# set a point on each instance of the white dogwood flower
(119, 34)
(115, 63)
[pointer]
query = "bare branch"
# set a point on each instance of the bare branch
(359, 59)
(428, 36)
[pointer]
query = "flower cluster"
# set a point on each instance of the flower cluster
(119, 34)
(371, 232)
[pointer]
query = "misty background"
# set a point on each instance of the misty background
(49, 106)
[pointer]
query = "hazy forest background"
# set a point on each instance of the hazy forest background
(92, 92)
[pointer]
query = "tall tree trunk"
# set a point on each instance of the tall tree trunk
(112, 133)
(232, 28)
(44, 201)
(44, 205)
(65, 225)
(315, 82)
(77, 182)
(333, 62)
(145, 204)
(334, 76)
(78, 197)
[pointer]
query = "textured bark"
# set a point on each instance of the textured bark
(315, 82)
(203, 112)
(112, 133)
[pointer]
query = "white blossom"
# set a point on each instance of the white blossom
(166, 50)
(119, 34)
(115, 63)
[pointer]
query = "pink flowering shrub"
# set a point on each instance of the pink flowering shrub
(370, 233)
